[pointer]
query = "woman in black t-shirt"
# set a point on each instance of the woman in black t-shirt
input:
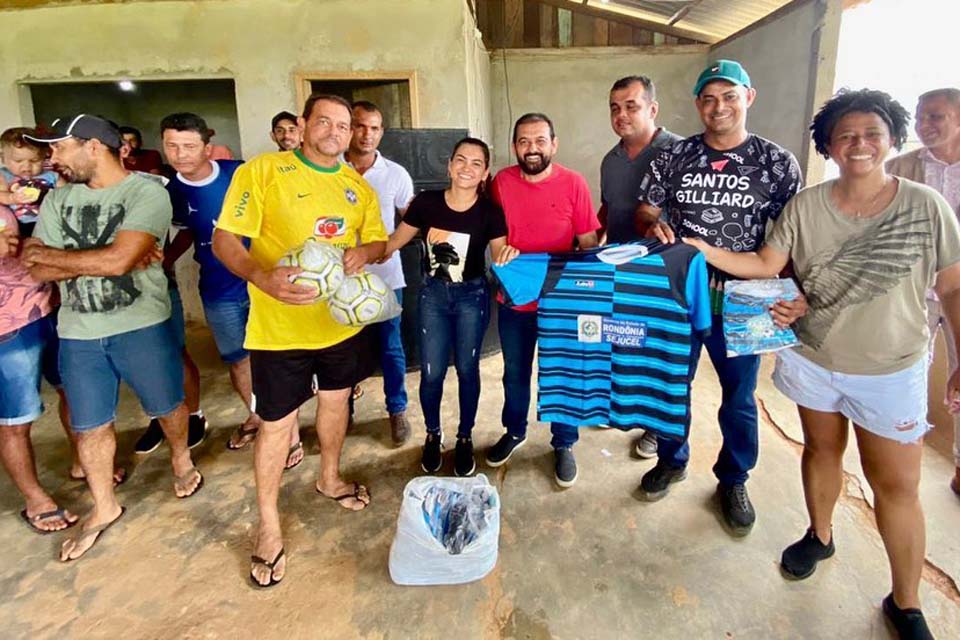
(457, 224)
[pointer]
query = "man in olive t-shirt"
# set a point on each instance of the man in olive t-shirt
(100, 237)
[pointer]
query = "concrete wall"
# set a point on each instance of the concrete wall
(259, 44)
(143, 108)
(477, 70)
(572, 86)
(791, 59)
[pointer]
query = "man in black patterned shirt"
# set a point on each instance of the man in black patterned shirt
(723, 185)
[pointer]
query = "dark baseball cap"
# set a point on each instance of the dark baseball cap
(81, 126)
(729, 70)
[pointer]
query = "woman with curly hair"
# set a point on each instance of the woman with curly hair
(865, 248)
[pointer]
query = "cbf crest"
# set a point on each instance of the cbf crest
(350, 195)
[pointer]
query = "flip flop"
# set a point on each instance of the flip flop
(121, 471)
(182, 481)
(95, 533)
(244, 431)
(358, 491)
(56, 513)
(268, 565)
(293, 449)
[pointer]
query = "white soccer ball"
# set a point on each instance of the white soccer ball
(360, 299)
(322, 266)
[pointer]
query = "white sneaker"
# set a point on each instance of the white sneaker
(646, 446)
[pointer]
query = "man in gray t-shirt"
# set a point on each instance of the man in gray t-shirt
(100, 237)
(633, 110)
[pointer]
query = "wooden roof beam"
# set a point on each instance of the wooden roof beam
(641, 23)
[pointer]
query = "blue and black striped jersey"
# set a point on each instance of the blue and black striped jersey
(614, 332)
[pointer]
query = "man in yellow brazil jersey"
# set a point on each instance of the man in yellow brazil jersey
(278, 200)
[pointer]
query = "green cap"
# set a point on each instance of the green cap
(729, 70)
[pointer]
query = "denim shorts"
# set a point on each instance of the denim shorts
(148, 360)
(227, 320)
(176, 316)
(892, 405)
(26, 355)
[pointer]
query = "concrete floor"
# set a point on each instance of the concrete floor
(588, 562)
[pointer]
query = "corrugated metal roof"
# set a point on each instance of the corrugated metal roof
(715, 19)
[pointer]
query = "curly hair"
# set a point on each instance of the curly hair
(863, 101)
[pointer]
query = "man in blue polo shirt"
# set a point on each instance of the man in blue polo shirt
(197, 193)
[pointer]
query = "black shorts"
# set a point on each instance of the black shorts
(284, 380)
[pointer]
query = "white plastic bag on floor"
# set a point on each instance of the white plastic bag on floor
(448, 531)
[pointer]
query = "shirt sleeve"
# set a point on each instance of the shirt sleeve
(415, 212)
(948, 234)
(181, 215)
(372, 228)
(404, 190)
(782, 234)
(522, 278)
(242, 211)
(149, 212)
(496, 222)
(48, 228)
(698, 294)
(584, 215)
(655, 187)
(787, 186)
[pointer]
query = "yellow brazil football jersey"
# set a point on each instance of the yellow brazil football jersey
(278, 200)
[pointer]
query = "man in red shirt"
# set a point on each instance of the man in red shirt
(548, 209)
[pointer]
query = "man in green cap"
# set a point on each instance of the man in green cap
(722, 185)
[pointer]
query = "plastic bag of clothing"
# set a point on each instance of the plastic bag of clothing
(448, 531)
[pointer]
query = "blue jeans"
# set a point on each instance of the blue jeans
(227, 320)
(26, 355)
(393, 362)
(149, 360)
(737, 415)
(518, 340)
(452, 317)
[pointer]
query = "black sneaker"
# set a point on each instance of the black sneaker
(909, 623)
(196, 430)
(463, 462)
(736, 509)
(150, 439)
(655, 484)
(800, 559)
(565, 467)
(503, 449)
(432, 458)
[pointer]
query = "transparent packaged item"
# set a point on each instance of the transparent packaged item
(448, 531)
(748, 328)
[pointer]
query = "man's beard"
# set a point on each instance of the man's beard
(73, 177)
(534, 169)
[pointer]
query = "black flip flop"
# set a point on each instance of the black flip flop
(32, 520)
(179, 481)
(123, 477)
(244, 432)
(268, 565)
(358, 490)
(290, 452)
(96, 532)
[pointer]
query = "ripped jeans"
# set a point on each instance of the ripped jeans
(453, 317)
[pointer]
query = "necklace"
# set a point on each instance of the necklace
(869, 205)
